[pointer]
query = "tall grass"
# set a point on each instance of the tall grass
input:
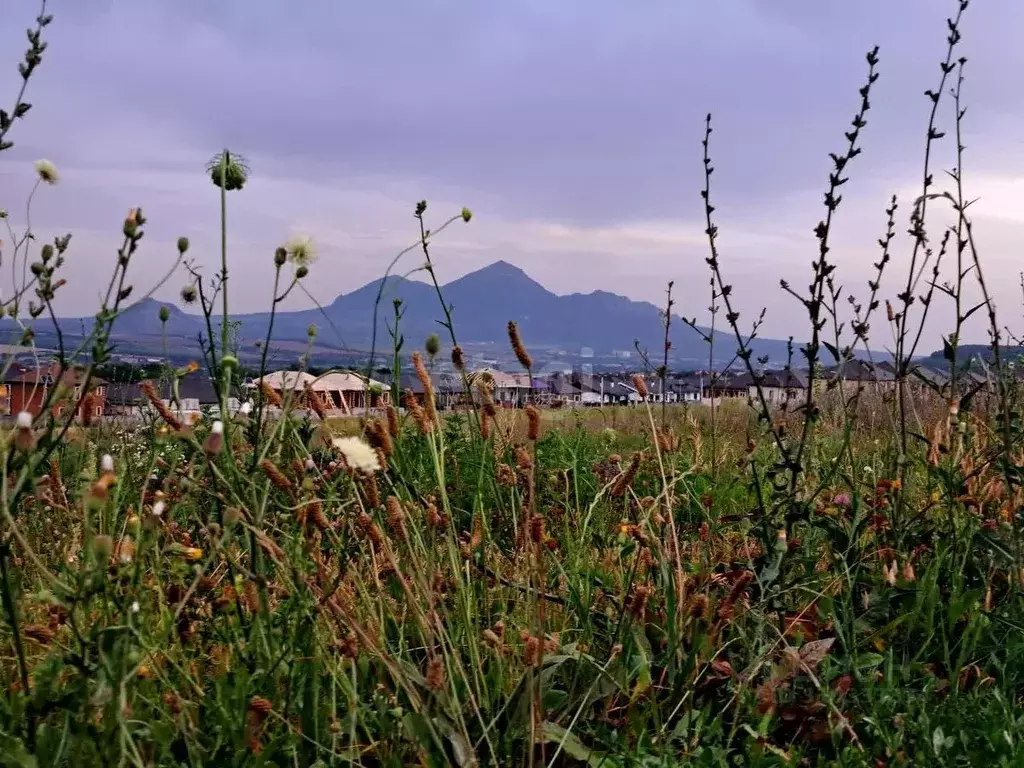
(836, 581)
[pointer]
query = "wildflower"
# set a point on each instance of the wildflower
(135, 606)
(301, 251)
(358, 455)
(107, 464)
(310, 465)
(47, 172)
(842, 499)
(158, 509)
(246, 408)
(189, 294)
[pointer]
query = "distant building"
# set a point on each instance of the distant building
(29, 389)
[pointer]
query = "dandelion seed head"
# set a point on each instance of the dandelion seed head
(107, 463)
(217, 428)
(24, 420)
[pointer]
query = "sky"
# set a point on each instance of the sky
(571, 130)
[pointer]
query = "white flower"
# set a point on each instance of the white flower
(24, 420)
(301, 251)
(310, 465)
(246, 408)
(107, 464)
(135, 607)
(359, 456)
(217, 428)
(47, 172)
(158, 508)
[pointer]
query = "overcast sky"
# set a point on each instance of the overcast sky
(571, 129)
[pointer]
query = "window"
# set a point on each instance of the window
(60, 410)
(101, 391)
(98, 411)
(78, 393)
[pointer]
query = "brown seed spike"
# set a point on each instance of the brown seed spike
(517, 346)
(149, 390)
(417, 412)
(393, 427)
(458, 360)
(533, 422)
(640, 385)
(428, 387)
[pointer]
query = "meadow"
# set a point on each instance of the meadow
(836, 579)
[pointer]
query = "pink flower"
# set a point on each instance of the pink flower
(842, 499)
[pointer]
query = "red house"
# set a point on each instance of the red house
(27, 390)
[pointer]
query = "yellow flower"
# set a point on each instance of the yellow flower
(193, 553)
(192, 367)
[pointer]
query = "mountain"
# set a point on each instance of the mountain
(482, 303)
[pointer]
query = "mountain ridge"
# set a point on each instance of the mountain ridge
(482, 303)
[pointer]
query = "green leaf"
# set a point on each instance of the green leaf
(570, 743)
(14, 754)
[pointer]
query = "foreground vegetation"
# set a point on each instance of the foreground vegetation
(837, 580)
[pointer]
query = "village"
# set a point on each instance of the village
(340, 394)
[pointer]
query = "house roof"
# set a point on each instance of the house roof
(70, 376)
(190, 387)
(339, 381)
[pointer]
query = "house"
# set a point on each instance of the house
(449, 390)
(511, 390)
(337, 393)
(728, 384)
(28, 389)
(195, 393)
(854, 375)
(779, 387)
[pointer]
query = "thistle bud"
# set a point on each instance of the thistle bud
(182, 245)
(165, 314)
(280, 257)
(215, 442)
(24, 438)
(301, 272)
(466, 215)
(47, 253)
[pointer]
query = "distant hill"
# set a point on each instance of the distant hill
(482, 304)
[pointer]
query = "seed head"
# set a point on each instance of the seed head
(165, 314)
(188, 294)
(24, 420)
(517, 346)
(47, 172)
(533, 422)
(300, 250)
(457, 358)
(640, 385)
(358, 455)
(182, 245)
(107, 464)
(466, 214)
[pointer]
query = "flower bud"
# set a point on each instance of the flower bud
(165, 314)
(182, 245)
(47, 253)
(280, 257)
(466, 214)
(230, 362)
(301, 272)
